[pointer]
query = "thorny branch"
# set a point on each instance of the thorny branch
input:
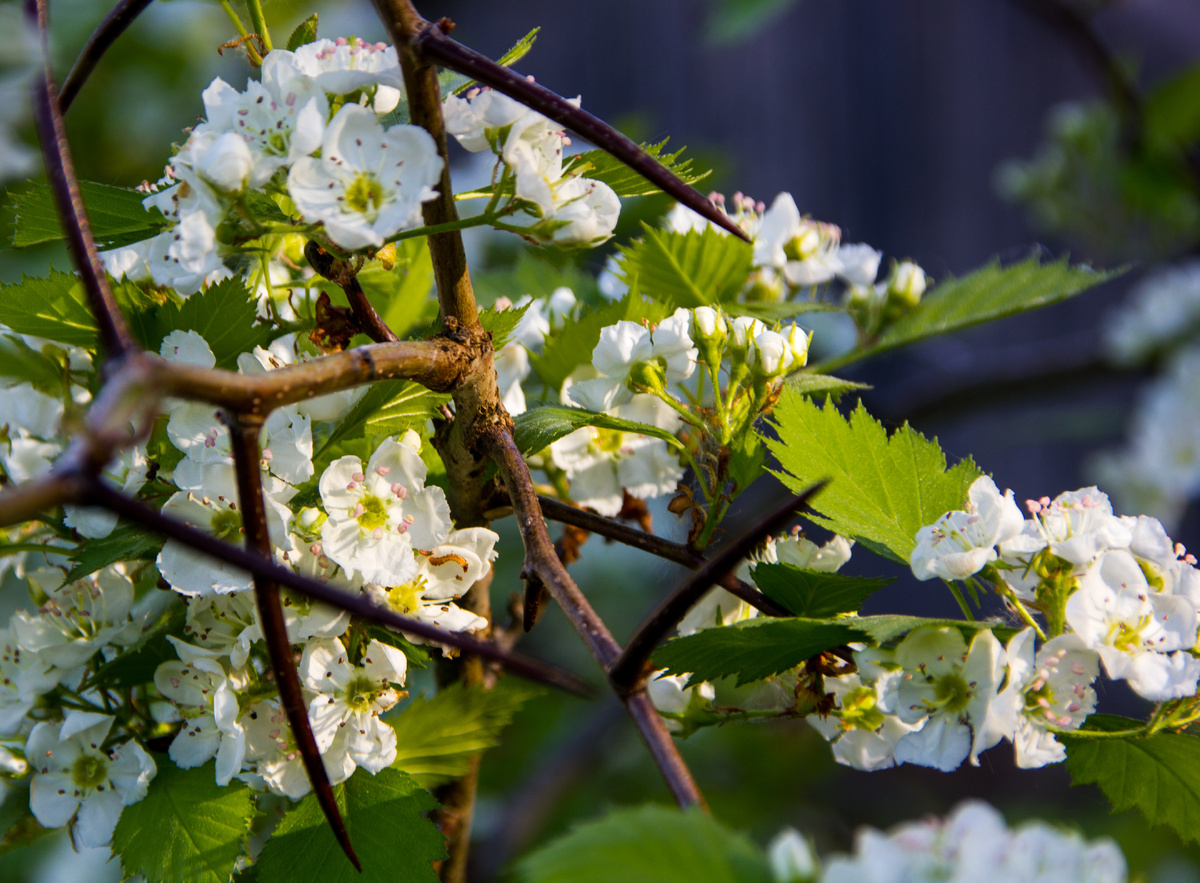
(625, 673)
(105, 35)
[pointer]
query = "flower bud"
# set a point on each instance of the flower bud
(387, 256)
(225, 162)
(648, 375)
(772, 354)
(742, 331)
(708, 332)
(791, 858)
(798, 339)
(906, 284)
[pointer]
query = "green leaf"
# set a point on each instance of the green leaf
(1159, 775)
(127, 542)
(650, 844)
(812, 593)
(746, 456)
(686, 269)
(186, 830)
(822, 385)
(990, 293)
(21, 362)
(753, 649)
(1172, 111)
(565, 351)
(436, 738)
(882, 490)
(305, 33)
(536, 273)
(55, 308)
(385, 821)
(223, 314)
(417, 656)
(537, 428)
(388, 408)
(773, 311)
(401, 295)
(115, 214)
(602, 166)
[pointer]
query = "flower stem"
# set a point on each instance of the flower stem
(260, 23)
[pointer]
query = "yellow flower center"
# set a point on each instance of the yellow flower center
(365, 195)
(89, 771)
(374, 513)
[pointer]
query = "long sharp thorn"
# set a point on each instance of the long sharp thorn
(626, 670)
(100, 494)
(434, 44)
(246, 454)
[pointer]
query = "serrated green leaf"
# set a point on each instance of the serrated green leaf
(747, 455)
(990, 293)
(814, 594)
(537, 428)
(772, 311)
(753, 649)
(305, 33)
(186, 830)
(571, 347)
(686, 269)
(223, 314)
(385, 821)
(602, 166)
(650, 844)
(388, 408)
(882, 490)
(436, 738)
(54, 307)
(115, 214)
(1159, 775)
(127, 542)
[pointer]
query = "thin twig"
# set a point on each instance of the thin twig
(369, 322)
(628, 671)
(102, 38)
(680, 553)
(243, 434)
(541, 563)
(114, 333)
(100, 494)
(430, 40)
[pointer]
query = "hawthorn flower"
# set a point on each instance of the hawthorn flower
(949, 684)
(578, 211)
(349, 698)
(367, 184)
(336, 67)
(199, 682)
(805, 251)
(128, 472)
(24, 676)
(1077, 525)
(379, 513)
(672, 698)
(225, 624)
(863, 735)
(1053, 689)
(960, 543)
(76, 777)
(1142, 635)
(274, 760)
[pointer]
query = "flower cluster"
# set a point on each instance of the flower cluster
(550, 205)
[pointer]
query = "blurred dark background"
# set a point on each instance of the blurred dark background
(889, 118)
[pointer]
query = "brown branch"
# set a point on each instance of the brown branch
(345, 274)
(114, 333)
(102, 38)
(24, 502)
(628, 671)
(431, 40)
(243, 434)
(542, 564)
(438, 364)
(100, 494)
(680, 553)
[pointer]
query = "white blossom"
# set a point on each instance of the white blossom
(960, 543)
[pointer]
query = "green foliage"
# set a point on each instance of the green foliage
(822, 385)
(417, 656)
(601, 166)
(536, 273)
(305, 33)
(812, 593)
(882, 490)
(224, 315)
(127, 542)
(734, 20)
(746, 457)
(436, 738)
(686, 269)
(385, 819)
(55, 308)
(991, 293)
(1159, 774)
(46, 372)
(776, 311)
(753, 649)
(1172, 112)
(537, 428)
(650, 844)
(401, 295)
(389, 407)
(568, 349)
(186, 830)
(115, 214)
